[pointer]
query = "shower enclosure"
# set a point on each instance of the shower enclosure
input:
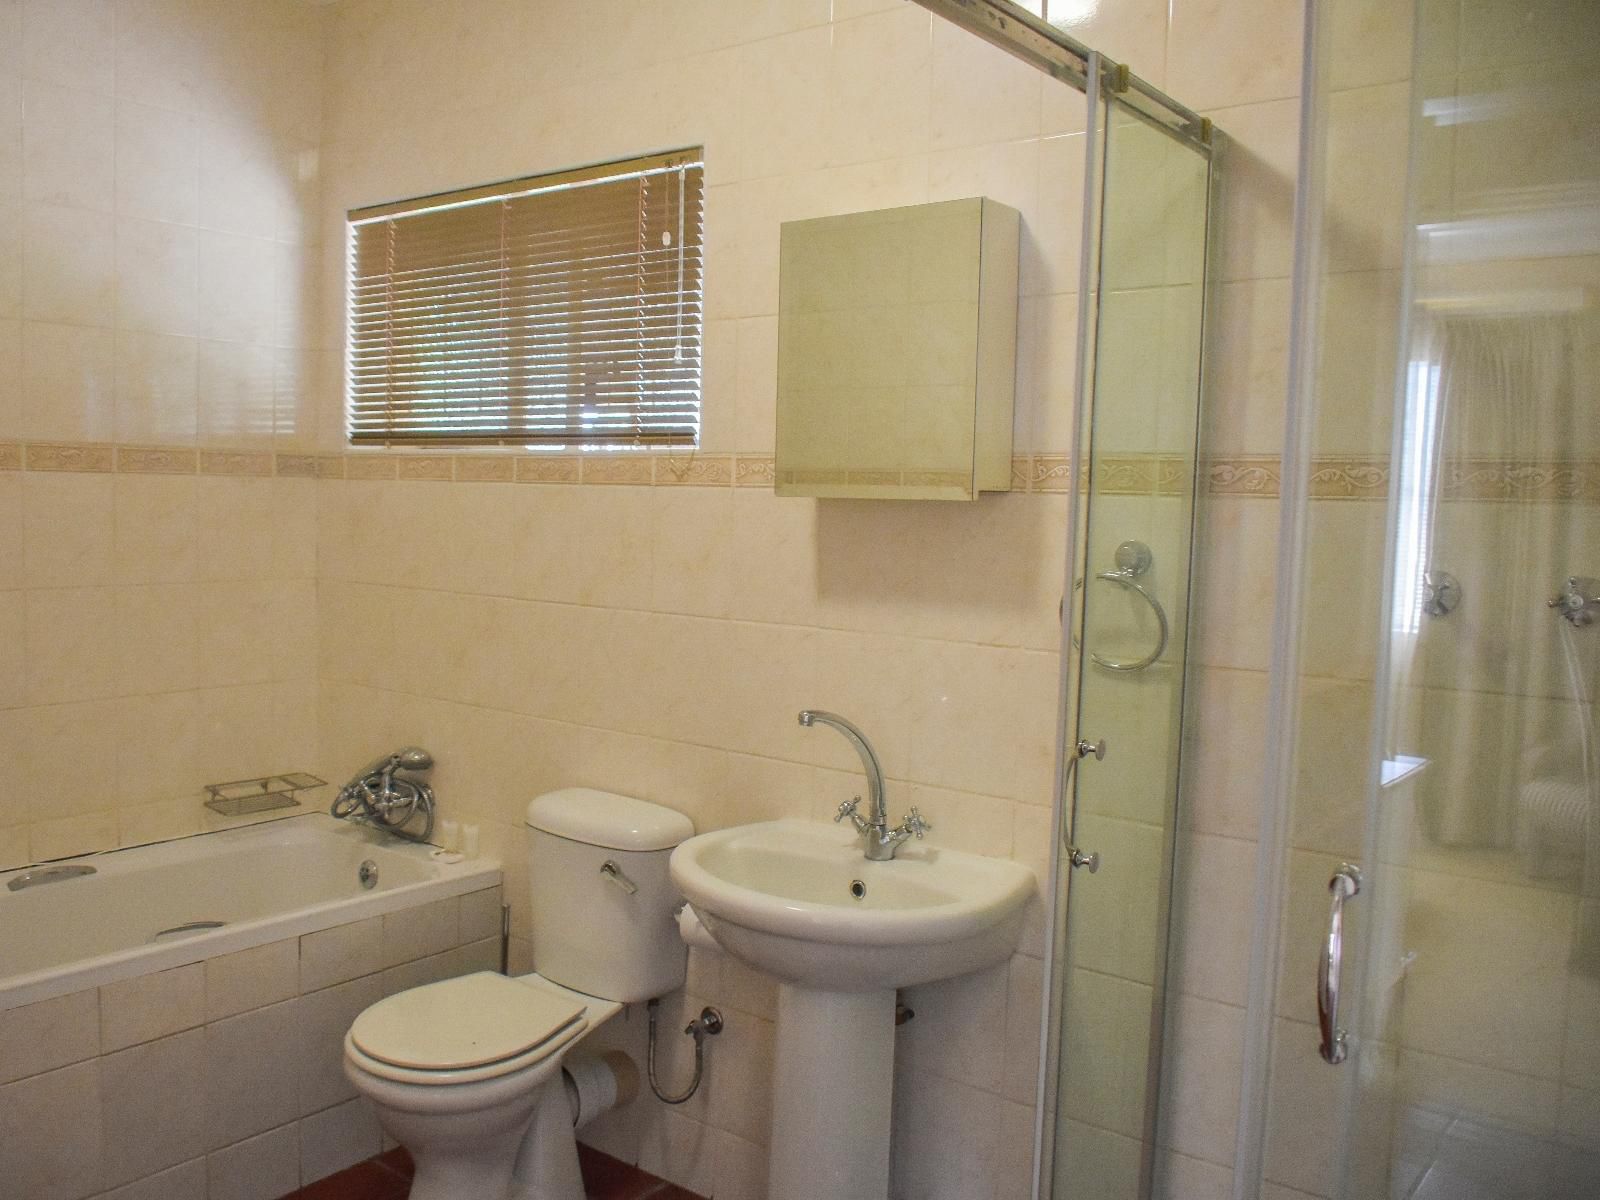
(1425, 996)
(1132, 467)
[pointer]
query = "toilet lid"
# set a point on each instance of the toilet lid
(470, 1021)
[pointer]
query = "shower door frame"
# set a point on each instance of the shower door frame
(1105, 83)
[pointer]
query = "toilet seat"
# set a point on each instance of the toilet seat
(473, 1027)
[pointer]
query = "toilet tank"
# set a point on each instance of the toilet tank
(586, 850)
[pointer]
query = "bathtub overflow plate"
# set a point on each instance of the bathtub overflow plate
(368, 874)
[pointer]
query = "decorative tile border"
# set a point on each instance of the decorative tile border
(637, 470)
(695, 470)
(535, 468)
(435, 468)
(485, 468)
(1254, 476)
(1248, 476)
(755, 471)
(50, 456)
(236, 462)
(154, 460)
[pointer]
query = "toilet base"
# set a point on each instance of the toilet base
(477, 1171)
(547, 1161)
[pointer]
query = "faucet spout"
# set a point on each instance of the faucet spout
(881, 840)
(869, 759)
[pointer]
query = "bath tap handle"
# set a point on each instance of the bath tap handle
(847, 809)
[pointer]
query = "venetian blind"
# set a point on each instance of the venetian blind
(559, 309)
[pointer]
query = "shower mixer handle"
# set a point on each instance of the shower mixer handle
(1577, 601)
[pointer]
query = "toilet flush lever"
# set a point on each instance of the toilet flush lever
(610, 870)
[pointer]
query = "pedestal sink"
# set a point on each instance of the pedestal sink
(799, 900)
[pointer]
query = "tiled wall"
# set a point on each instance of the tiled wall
(158, 172)
(658, 640)
(222, 1078)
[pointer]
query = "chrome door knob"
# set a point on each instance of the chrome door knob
(1098, 749)
(1080, 858)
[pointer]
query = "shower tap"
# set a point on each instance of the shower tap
(378, 796)
(1577, 601)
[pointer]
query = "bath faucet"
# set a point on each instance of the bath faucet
(379, 797)
(881, 841)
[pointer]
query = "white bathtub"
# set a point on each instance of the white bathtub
(265, 883)
(209, 1062)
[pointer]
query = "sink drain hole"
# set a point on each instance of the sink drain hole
(857, 888)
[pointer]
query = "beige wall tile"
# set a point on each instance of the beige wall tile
(251, 1073)
(1201, 1088)
(418, 932)
(13, 661)
(186, 1181)
(337, 1138)
(69, 43)
(154, 1107)
(68, 147)
(67, 1102)
(68, 758)
(254, 978)
(71, 645)
(67, 388)
(49, 1034)
(265, 1165)
(67, 530)
(1221, 53)
(342, 952)
(326, 1017)
(153, 1006)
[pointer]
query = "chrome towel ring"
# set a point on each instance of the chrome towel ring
(1133, 560)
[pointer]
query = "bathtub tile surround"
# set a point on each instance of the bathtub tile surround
(224, 1075)
(158, 179)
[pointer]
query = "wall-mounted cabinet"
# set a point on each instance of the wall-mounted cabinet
(897, 338)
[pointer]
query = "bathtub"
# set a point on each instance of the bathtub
(178, 1015)
(154, 907)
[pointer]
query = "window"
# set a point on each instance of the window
(558, 310)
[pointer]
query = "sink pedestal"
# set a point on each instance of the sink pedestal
(832, 1090)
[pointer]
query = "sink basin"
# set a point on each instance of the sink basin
(783, 896)
(800, 900)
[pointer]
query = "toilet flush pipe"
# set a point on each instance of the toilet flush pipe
(597, 1083)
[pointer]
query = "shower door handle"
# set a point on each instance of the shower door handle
(1346, 882)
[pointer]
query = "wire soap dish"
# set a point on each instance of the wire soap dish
(240, 797)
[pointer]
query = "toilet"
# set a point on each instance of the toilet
(466, 1073)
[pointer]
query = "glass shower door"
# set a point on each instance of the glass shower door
(1139, 458)
(1464, 776)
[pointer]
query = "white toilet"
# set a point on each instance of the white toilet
(466, 1073)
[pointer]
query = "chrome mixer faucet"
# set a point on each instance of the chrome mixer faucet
(380, 796)
(881, 841)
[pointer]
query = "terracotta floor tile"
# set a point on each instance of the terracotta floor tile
(364, 1181)
(607, 1178)
(399, 1161)
(671, 1191)
(388, 1177)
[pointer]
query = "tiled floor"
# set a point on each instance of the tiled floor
(388, 1177)
(1444, 1157)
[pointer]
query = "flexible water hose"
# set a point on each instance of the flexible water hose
(708, 1022)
